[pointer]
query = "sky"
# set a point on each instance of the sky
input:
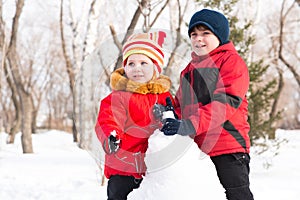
(59, 170)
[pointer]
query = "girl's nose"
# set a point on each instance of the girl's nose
(138, 67)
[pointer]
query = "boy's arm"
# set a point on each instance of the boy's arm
(227, 98)
(177, 108)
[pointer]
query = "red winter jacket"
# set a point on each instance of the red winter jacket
(212, 95)
(128, 111)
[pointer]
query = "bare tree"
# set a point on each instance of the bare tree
(284, 13)
(70, 71)
(23, 93)
(86, 119)
(134, 20)
(17, 105)
(15, 127)
(38, 92)
(83, 41)
(177, 12)
(284, 52)
(281, 52)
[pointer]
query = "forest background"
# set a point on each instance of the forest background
(57, 56)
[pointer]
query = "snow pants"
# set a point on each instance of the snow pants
(120, 186)
(233, 172)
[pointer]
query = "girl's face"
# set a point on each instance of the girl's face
(203, 40)
(139, 68)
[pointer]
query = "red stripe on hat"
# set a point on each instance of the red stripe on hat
(161, 37)
(144, 43)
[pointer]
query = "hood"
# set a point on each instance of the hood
(120, 82)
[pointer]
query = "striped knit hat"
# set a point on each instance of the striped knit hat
(149, 44)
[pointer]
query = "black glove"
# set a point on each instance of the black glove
(112, 144)
(158, 110)
(175, 126)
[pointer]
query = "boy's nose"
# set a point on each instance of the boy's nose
(199, 37)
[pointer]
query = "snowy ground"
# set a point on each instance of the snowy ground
(61, 171)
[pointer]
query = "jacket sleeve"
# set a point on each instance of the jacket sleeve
(230, 92)
(177, 99)
(110, 118)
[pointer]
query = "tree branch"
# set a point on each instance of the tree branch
(158, 14)
(281, 34)
(115, 38)
(130, 29)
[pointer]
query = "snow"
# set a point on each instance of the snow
(60, 170)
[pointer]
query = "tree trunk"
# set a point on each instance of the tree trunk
(33, 126)
(15, 128)
(281, 44)
(74, 129)
(26, 105)
(70, 72)
(276, 99)
(24, 97)
(27, 109)
(17, 122)
(18, 113)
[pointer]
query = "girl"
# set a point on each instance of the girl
(125, 119)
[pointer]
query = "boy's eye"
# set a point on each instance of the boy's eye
(193, 34)
(144, 63)
(206, 32)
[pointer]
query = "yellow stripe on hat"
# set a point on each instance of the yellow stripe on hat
(146, 51)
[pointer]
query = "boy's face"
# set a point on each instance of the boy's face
(203, 40)
(139, 68)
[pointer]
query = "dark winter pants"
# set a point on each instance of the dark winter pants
(233, 172)
(120, 186)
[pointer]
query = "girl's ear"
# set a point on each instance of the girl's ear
(155, 72)
(125, 70)
(156, 68)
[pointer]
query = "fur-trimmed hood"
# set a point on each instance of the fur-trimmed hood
(119, 81)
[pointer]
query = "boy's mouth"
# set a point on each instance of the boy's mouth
(199, 46)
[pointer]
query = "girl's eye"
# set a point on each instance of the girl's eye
(144, 63)
(131, 64)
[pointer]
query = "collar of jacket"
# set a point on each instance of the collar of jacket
(225, 47)
(119, 81)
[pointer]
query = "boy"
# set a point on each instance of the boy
(211, 100)
(125, 120)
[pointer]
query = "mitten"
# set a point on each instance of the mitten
(175, 126)
(158, 110)
(112, 144)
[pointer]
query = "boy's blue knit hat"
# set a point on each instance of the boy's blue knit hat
(214, 20)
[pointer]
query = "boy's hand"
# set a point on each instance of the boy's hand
(175, 126)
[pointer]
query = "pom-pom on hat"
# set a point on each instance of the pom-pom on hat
(214, 20)
(149, 44)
